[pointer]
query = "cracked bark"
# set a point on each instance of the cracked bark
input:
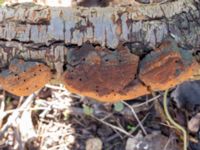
(110, 53)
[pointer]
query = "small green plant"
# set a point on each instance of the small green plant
(131, 128)
(119, 106)
(88, 110)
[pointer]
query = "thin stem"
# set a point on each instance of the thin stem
(176, 125)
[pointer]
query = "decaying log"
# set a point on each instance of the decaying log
(109, 53)
(85, 3)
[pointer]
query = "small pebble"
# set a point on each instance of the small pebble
(94, 144)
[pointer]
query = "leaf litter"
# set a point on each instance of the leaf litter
(53, 118)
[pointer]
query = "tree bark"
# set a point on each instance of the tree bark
(33, 31)
(151, 37)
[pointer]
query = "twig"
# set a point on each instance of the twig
(118, 133)
(148, 101)
(136, 117)
(167, 125)
(173, 122)
(132, 131)
(2, 107)
(107, 116)
(145, 117)
(113, 126)
(20, 110)
(55, 87)
(12, 119)
(167, 144)
(112, 137)
(159, 108)
(20, 101)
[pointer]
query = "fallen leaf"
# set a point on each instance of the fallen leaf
(194, 123)
(88, 110)
(119, 106)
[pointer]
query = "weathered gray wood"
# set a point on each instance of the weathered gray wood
(105, 26)
(158, 39)
(41, 32)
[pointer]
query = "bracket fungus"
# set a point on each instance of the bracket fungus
(23, 78)
(106, 75)
(100, 73)
(168, 67)
(111, 76)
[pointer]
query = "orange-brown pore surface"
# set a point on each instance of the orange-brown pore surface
(106, 75)
(110, 76)
(24, 78)
(171, 65)
(103, 74)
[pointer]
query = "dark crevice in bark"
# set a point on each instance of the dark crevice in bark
(77, 30)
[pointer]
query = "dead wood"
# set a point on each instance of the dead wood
(109, 53)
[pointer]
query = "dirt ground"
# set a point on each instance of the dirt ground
(54, 118)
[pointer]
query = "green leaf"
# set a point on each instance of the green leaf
(131, 128)
(118, 106)
(88, 110)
